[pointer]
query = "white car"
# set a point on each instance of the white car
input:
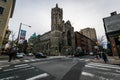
(30, 54)
(91, 53)
(20, 55)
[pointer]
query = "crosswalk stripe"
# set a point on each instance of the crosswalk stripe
(20, 65)
(16, 68)
(88, 74)
(38, 76)
(96, 67)
(104, 65)
(26, 60)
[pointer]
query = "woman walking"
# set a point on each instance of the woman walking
(104, 56)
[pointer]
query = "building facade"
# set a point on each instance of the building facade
(61, 36)
(6, 12)
(90, 33)
(84, 43)
(112, 30)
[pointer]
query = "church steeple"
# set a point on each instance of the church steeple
(56, 17)
(56, 5)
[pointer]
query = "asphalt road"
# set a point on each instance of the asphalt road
(65, 68)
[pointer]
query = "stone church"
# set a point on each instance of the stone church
(60, 40)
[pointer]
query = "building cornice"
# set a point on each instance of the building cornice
(13, 6)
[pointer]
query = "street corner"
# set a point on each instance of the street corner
(97, 60)
(5, 63)
(114, 61)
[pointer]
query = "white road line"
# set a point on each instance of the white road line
(97, 67)
(16, 68)
(88, 74)
(9, 78)
(38, 76)
(81, 59)
(117, 71)
(87, 60)
(20, 65)
(106, 66)
(27, 68)
(26, 60)
(4, 66)
(32, 60)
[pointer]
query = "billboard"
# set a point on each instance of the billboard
(22, 34)
(112, 23)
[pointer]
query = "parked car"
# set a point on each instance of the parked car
(40, 55)
(30, 54)
(91, 53)
(20, 55)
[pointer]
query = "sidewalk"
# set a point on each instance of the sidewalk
(3, 57)
(112, 60)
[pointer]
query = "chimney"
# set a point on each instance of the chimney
(113, 13)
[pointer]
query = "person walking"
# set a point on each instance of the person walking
(118, 48)
(12, 52)
(104, 56)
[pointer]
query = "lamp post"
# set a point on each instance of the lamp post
(20, 30)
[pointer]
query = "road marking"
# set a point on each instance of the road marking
(38, 76)
(9, 78)
(27, 68)
(26, 61)
(96, 67)
(88, 74)
(104, 65)
(81, 59)
(16, 68)
(20, 65)
(4, 66)
(85, 60)
(32, 60)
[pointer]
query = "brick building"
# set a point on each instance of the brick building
(83, 42)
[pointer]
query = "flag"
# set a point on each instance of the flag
(22, 34)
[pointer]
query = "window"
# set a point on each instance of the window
(1, 10)
(4, 0)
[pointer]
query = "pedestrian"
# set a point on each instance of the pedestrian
(118, 48)
(12, 52)
(104, 56)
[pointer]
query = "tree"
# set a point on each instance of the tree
(35, 41)
(101, 42)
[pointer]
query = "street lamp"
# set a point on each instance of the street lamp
(20, 30)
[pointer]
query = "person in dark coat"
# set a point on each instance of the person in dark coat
(118, 48)
(104, 56)
(12, 53)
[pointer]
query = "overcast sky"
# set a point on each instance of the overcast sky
(81, 13)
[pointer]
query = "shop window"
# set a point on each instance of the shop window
(4, 0)
(1, 10)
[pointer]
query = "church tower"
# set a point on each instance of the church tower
(56, 29)
(56, 18)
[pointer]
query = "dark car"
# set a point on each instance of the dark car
(40, 55)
